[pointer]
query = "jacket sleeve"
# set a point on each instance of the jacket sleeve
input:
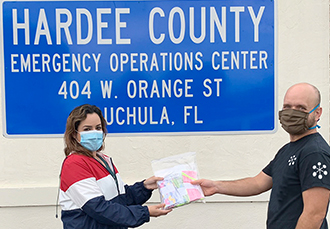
(79, 185)
(116, 214)
(137, 193)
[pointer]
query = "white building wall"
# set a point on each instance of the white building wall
(29, 167)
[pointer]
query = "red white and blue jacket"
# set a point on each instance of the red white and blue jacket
(90, 198)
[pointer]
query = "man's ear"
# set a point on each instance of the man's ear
(318, 113)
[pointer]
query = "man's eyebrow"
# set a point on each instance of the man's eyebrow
(300, 105)
(297, 105)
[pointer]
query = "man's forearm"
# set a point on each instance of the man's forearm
(242, 187)
(309, 221)
(245, 187)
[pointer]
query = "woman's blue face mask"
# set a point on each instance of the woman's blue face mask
(91, 140)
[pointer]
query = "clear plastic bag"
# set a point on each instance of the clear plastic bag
(178, 171)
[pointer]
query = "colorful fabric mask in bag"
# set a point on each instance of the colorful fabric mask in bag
(178, 171)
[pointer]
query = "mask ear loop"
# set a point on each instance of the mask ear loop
(311, 128)
(75, 137)
(314, 108)
(104, 136)
(317, 126)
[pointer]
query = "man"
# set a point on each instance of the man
(298, 174)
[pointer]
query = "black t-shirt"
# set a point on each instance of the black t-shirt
(297, 166)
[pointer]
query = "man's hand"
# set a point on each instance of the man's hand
(249, 186)
(208, 186)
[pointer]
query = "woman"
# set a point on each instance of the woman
(92, 194)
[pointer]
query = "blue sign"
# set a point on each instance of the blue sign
(172, 67)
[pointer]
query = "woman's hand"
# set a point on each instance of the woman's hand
(151, 183)
(157, 210)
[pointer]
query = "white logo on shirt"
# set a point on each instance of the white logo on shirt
(319, 170)
(292, 160)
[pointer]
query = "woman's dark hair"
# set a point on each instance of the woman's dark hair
(76, 116)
